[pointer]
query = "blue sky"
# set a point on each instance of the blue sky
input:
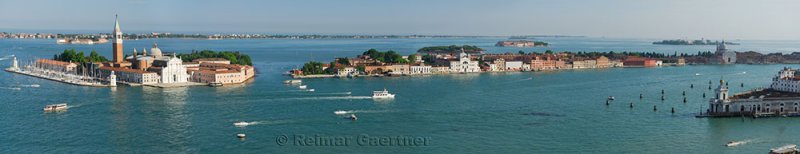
(689, 19)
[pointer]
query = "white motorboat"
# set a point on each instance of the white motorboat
(55, 107)
(241, 124)
(382, 94)
(734, 143)
(241, 135)
(353, 117)
(311, 90)
(293, 81)
(611, 98)
(302, 86)
(791, 148)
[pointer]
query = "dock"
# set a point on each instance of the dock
(63, 80)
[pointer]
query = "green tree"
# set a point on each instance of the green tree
(412, 58)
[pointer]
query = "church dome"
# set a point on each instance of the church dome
(155, 51)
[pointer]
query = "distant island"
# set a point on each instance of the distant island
(695, 42)
(520, 43)
(533, 36)
(451, 49)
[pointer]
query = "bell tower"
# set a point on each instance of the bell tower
(722, 91)
(117, 44)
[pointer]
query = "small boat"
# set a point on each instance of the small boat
(241, 124)
(340, 112)
(215, 84)
(611, 98)
(353, 117)
(791, 148)
(697, 74)
(382, 94)
(302, 86)
(733, 143)
(55, 107)
(293, 81)
(241, 135)
(311, 90)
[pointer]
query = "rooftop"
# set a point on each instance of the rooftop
(767, 93)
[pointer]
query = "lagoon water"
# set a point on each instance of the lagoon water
(515, 112)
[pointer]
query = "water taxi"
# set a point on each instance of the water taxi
(791, 148)
(55, 107)
(382, 94)
(292, 81)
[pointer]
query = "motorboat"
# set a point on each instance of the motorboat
(293, 81)
(241, 124)
(340, 112)
(241, 135)
(611, 98)
(382, 94)
(302, 86)
(55, 107)
(353, 117)
(734, 143)
(311, 90)
(791, 148)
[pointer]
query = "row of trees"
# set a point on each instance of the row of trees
(386, 57)
(234, 56)
(70, 55)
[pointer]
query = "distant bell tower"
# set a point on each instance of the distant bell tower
(117, 42)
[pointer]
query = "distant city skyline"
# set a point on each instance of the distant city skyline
(680, 19)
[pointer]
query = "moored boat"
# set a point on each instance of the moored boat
(611, 98)
(382, 94)
(215, 84)
(55, 107)
(302, 86)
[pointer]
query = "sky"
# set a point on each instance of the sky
(669, 19)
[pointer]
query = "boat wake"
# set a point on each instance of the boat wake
(263, 122)
(6, 57)
(331, 97)
(738, 143)
(343, 112)
(74, 106)
(12, 88)
(30, 85)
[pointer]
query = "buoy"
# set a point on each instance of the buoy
(692, 86)
(606, 102)
(709, 82)
(662, 91)
(704, 95)
(673, 109)
(654, 108)
(240, 135)
(631, 105)
(684, 100)
(641, 96)
(662, 97)
(742, 85)
(726, 84)
(684, 93)
(709, 87)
